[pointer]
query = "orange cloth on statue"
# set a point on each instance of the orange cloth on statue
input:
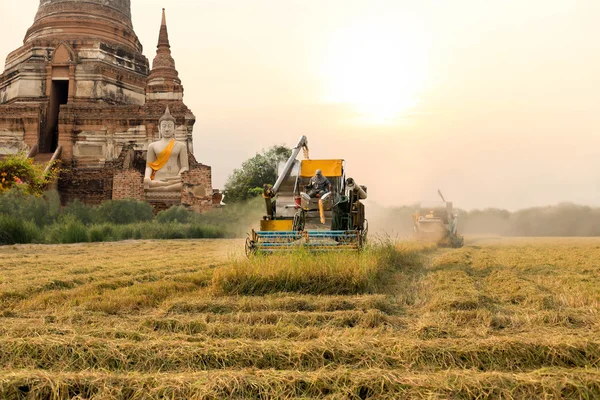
(162, 159)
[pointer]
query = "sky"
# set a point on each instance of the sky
(495, 103)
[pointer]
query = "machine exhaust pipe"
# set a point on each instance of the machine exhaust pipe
(352, 185)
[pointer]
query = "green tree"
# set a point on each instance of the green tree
(247, 181)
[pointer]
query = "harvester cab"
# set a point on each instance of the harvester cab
(437, 222)
(328, 219)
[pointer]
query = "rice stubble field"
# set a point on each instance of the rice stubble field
(194, 319)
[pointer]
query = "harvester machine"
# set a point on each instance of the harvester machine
(437, 222)
(333, 220)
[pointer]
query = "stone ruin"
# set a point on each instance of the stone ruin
(80, 88)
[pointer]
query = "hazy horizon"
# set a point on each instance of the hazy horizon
(495, 103)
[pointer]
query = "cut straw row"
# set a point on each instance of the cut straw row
(74, 354)
(330, 384)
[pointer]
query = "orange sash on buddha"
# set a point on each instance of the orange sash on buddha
(162, 159)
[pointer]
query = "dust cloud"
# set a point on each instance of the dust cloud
(564, 219)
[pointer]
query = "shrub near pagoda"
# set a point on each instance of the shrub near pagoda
(26, 218)
(20, 172)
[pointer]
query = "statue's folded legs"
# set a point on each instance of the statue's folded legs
(168, 185)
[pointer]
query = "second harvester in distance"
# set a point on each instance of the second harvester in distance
(313, 205)
(437, 222)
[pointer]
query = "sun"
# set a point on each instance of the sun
(378, 70)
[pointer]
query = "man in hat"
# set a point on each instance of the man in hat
(318, 185)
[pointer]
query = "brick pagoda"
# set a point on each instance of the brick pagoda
(81, 88)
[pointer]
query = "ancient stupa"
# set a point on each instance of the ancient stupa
(80, 88)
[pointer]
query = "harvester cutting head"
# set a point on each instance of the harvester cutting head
(313, 240)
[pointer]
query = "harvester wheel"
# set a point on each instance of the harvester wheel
(250, 247)
(299, 221)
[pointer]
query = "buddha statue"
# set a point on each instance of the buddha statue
(166, 160)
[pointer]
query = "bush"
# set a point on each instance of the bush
(84, 213)
(96, 235)
(175, 214)
(124, 212)
(42, 210)
(75, 232)
(204, 231)
(28, 219)
(16, 230)
(165, 231)
(19, 172)
(102, 233)
(131, 231)
(67, 230)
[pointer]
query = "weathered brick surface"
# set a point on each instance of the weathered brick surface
(109, 20)
(20, 125)
(217, 198)
(112, 122)
(128, 184)
(197, 192)
(91, 186)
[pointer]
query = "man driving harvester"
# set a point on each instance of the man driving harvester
(318, 185)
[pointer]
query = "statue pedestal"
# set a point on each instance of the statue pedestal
(163, 200)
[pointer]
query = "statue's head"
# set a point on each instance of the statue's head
(166, 125)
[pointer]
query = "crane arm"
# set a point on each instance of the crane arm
(441, 195)
(270, 192)
(302, 144)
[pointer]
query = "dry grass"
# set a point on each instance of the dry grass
(303, 272)
(352, 350)
(323, 384)
(507, 319)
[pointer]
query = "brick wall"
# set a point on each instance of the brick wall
(128, 184)
(91, 186)
(19, 126)
(197, 192)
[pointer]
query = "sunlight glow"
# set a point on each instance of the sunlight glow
(379, 70)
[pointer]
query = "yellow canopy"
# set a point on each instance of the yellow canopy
(327, 167)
